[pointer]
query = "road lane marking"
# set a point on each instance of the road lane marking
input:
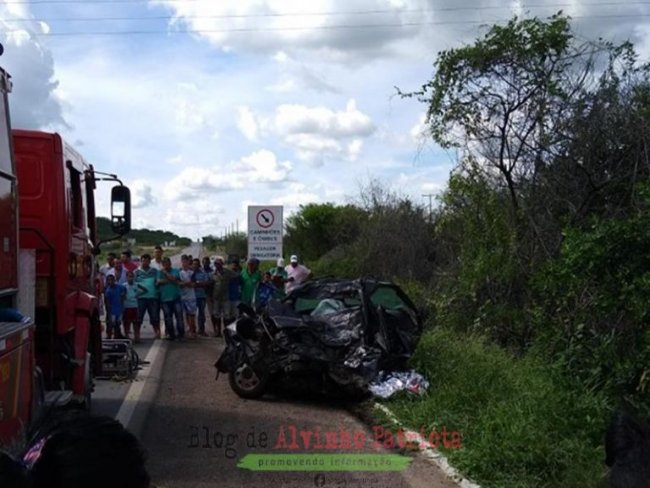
(132, 397)
(433, 455)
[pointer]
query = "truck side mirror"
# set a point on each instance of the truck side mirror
(121, 209)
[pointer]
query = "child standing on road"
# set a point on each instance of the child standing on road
(265, 291)
(114, 295)
(131, 308)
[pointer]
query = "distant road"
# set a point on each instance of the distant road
(195, 249)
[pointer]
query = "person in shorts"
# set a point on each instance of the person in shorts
(131, 308)
(114, 295)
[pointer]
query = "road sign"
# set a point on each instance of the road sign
(265, 218)
(265, 232)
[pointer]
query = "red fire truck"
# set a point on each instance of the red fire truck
(50, 329)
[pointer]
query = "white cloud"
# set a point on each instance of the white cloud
(281, 57)
(141, 194)
(299, 119)
(419, 131)
(260, 167)
(299, 75)
(354, 149)
(175, 160)
(246, 123)
(279, 26)
(316, 133)
(297, 194)
(191, 182)
(202, 215)
(283, 86)
(34, 103)
(190, 108)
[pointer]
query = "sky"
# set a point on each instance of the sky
(206, 107)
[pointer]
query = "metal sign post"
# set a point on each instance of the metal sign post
(265, 226)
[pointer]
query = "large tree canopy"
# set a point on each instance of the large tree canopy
(509, 100)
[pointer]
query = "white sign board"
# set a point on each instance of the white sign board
(265, 232)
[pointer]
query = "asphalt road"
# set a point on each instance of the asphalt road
(113, 395)
(197, 432)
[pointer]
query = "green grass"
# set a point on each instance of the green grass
(521, 424)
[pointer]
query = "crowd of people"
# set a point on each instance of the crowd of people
(187, 298)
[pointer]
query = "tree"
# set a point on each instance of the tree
(556, 126)
(144, 237)
(510, 103)
(395, 238)
(233, 244)
(318, 228)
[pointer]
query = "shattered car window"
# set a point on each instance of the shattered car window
(306, 305)
(388, 298)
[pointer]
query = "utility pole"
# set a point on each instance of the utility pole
(430, 195)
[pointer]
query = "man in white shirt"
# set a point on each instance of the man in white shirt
(119, 272)
(296, 274)
(106, 267)
(156, 262)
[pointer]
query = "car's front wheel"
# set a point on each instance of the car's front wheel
(247, 383)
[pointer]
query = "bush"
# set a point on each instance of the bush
(521, 423)
(593, 313)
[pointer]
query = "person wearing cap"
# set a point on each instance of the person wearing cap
(296, 274)
(279, 278)
(250, 277)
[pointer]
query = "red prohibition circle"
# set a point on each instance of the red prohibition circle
(265, 218)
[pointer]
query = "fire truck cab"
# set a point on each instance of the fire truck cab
(50, 329)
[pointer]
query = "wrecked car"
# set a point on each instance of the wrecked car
(327, 333)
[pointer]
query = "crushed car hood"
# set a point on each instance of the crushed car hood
(359, 326)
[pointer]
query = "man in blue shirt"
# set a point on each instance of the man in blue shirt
(170, 297)
(202, 281)
(148, 296)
